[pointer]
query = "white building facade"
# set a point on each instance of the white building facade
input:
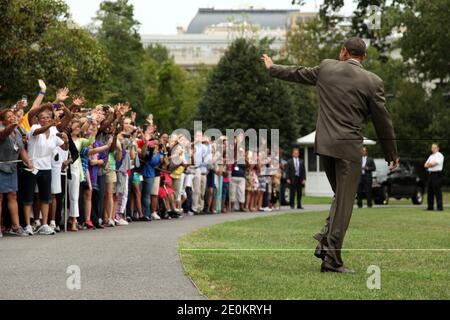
(211, 31)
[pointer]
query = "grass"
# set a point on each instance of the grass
(295, 274)
(316, 200)
(392, 201)
(445, 200)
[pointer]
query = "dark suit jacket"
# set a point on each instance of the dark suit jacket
(370, 164)
(290, 170)
(348, 97)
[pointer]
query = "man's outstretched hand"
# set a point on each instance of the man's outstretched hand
(267, 61)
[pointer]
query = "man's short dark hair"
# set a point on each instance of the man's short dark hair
(356, 46)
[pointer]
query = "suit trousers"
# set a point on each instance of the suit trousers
(365, 187)
(295, 190)
(435, 190)
(343, 176)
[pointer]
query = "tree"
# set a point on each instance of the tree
(171, 93)
(84, 61)
(241, 95)
(307, 44)
(423, 41)
(38, 40)
(426, 40)
(118, 33)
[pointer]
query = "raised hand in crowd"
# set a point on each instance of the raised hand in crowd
(67, 116)
(39, 99)
(42, 85)
(62, 95)
(79, 101)
(21, 104)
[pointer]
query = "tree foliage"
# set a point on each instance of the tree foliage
(38, 40)
(240, 94)
(171, 93)
(117, 30)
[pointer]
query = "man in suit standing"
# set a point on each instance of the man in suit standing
(365, 182)
(295, 178)
(348, 96)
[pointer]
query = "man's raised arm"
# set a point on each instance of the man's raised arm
(294, 74)
(383, 126)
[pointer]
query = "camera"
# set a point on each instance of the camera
(106, 108)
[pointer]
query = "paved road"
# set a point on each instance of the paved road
(135, 262)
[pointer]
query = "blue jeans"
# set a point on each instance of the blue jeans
(147, 186)
(225, 190)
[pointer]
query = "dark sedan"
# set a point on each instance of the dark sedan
(403, 182)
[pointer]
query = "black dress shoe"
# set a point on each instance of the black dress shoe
(99, 226)
(328, 268)
(145, 219)
(320, 251)
(300, 208)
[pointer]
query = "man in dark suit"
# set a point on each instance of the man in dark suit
(295, 178)
(365, 182)
(348, 97)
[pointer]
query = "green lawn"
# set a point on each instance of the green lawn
(295, 274)
(316, 200)
(392, 201)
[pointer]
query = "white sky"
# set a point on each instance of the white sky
(163, 16)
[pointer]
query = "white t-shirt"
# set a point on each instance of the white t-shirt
(188, 180)
(439, 159)
(61, 156)
(41, 148)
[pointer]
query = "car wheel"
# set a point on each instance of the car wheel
(417, 198)
(378, 201)
(385, 195)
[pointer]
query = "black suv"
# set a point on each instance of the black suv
(403, 182)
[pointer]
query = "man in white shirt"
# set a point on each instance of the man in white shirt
(434, 166)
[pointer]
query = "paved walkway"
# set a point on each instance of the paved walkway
(135, 262)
